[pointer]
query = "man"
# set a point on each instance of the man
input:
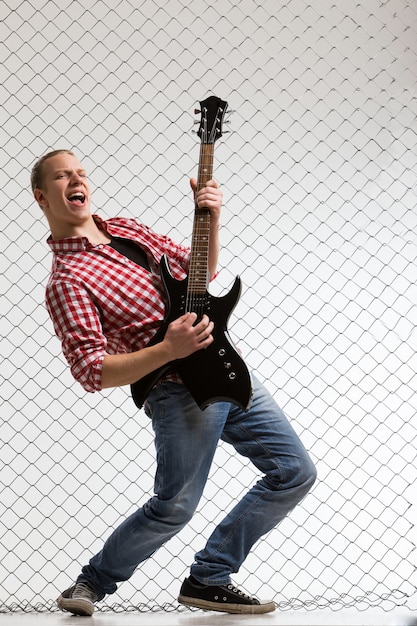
(106, 300)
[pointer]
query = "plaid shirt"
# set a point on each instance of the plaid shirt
(102, 303)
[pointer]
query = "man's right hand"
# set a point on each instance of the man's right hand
(184, 336)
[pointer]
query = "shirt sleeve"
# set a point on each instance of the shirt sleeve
(77, 324)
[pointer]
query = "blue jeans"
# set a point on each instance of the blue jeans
(186, 439)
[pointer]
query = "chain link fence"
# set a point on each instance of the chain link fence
(319, 177)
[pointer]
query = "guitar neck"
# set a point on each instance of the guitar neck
(198, 275)
(212, 113)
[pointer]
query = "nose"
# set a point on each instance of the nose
(75, 176)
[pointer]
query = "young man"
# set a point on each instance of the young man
(106, 300)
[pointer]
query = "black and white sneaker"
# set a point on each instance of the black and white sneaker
(225, 598)
(78, 599)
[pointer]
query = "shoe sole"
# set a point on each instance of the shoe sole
(76, 606)
(206, 605)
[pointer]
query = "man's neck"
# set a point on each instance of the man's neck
(89, 229)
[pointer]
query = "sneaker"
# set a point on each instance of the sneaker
(225, 598)
(78, 599)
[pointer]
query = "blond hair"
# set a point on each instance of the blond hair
(36, 177)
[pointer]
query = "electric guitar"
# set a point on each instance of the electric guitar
(216, 373)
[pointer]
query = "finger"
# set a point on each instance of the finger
(188, 317)
(203, 323)
(210, 194)
(212, 183)
(205, 331)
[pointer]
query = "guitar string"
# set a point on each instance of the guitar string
(195, 298)
(204, 221)
(196, 251)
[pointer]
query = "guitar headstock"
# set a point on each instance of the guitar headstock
(212, 111)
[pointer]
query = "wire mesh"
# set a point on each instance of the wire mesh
(319, 179)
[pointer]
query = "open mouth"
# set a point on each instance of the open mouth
(77, 198)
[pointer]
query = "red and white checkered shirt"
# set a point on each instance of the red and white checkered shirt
(102, 303)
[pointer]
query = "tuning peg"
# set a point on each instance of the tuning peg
(197, 111)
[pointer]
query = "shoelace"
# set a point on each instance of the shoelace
(238, 591)
(84, 592)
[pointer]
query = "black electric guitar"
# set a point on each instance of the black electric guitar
(216, 373)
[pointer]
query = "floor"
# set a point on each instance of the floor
(201, 618)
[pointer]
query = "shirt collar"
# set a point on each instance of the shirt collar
(75, 244)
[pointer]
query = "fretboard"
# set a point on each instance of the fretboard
(198, 276)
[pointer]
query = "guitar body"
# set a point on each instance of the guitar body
(217, 373)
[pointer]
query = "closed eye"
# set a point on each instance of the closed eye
(68, 173)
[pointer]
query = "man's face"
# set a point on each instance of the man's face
(65, 195)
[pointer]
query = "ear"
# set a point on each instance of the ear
(40, 197)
